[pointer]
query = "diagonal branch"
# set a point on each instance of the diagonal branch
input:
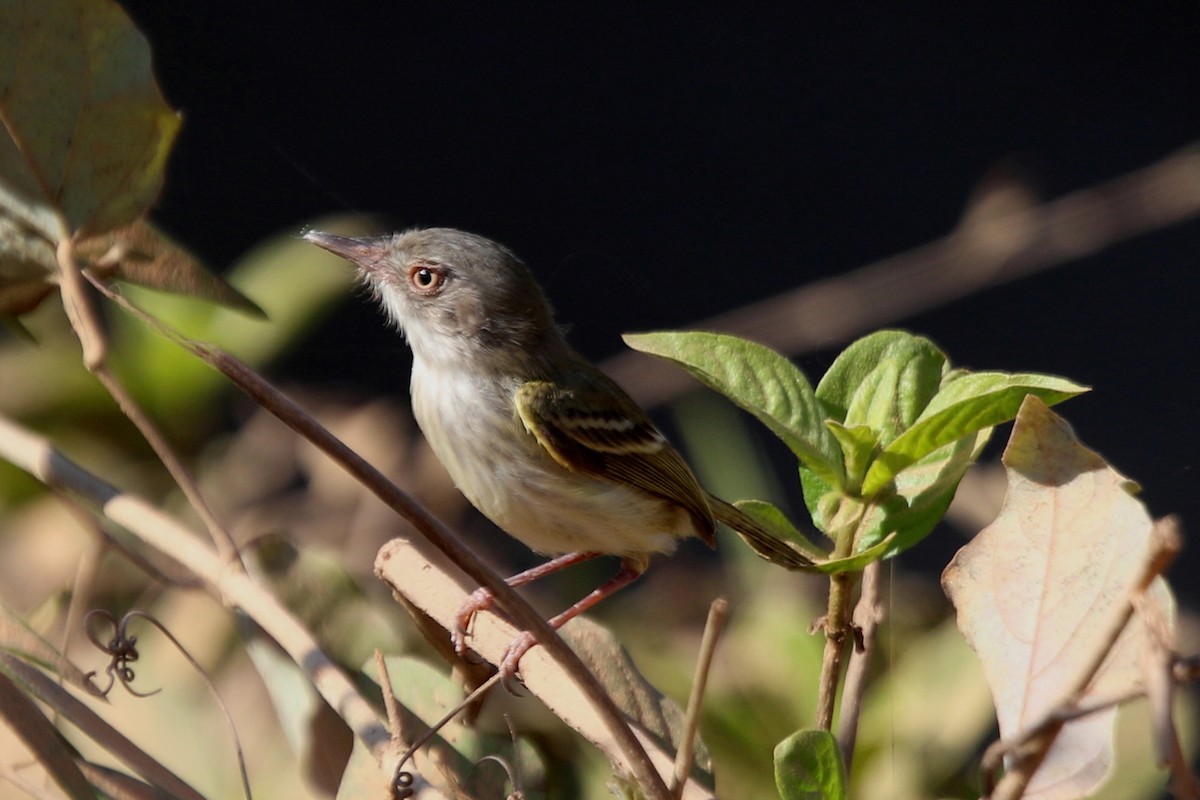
(39, 458)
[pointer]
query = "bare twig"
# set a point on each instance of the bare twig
(82, 315)
(1029, 749)
(1002, 237)
(37, 457)
(718, 613)
(867, 616)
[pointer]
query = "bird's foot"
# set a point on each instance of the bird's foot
(511, 663)
(479, 600)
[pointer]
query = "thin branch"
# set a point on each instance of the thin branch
(867, 616)
(92, 725)
(1002, 237)
(718, 613)
(39, 458)
(86, 324)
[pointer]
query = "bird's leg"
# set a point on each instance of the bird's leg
(482, 599)
(629, 572)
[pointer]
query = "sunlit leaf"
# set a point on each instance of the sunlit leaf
(883, 381)
(808, 766)
(759, 380)
(859, 443)
(969, 403)
(1035, 587)
(922, 493)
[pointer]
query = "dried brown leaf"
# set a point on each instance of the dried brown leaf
(142, 254)
(1034, 588)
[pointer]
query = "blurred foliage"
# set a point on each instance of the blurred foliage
(310, 532)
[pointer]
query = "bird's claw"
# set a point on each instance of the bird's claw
(511, 663)
(479, 600)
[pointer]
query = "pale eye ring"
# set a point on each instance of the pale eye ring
(426, 279)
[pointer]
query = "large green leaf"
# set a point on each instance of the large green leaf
(883, 381)
(966, 404)
(759, 380)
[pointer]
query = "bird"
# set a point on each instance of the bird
(534, 435)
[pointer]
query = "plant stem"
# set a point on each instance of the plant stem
(837, 616)
(836, 624)
(867, 615)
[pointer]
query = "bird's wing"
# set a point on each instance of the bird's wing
(589, 425)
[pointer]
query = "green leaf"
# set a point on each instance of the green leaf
(858, 561)
(777, 523)
(859, 444)
(883, 381)
(808, 766)
(923, 493)
(967, 404)
(86, 131)
(759, 380)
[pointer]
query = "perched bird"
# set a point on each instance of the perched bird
(533, 434)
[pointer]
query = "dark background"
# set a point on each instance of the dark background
(657, 164)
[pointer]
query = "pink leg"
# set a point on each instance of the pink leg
(482, 600)
(521, 645)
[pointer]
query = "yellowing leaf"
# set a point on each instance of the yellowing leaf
(1036, 586)
(86, 132)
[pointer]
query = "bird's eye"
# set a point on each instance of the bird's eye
(426, 279)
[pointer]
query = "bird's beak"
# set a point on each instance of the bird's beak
(363, 252)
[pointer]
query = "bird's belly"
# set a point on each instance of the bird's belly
(514, 482)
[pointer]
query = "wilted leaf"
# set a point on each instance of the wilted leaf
(142, 254)
(27, 262)
(759, 380)
(1034, 588)
(775, 521)
(86, 131)
(808, 766)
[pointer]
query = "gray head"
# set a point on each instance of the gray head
(456, 296)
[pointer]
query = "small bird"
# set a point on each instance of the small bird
(534, 435)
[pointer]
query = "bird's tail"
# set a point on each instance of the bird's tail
(761, 540)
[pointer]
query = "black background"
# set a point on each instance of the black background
(659, 163)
